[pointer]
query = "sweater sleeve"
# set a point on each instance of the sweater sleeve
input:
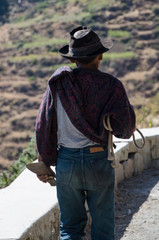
(46, 130)
(122, 115)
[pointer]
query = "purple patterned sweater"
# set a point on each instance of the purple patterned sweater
(86, 95)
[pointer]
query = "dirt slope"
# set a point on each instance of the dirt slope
(28, 55)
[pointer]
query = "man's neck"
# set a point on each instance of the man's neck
(88, 66)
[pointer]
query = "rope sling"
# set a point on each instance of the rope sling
(111, 155)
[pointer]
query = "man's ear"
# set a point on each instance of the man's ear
(73, 61)
(100, 57)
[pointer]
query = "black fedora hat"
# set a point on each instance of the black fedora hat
(85, 43)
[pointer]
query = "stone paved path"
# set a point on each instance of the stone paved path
(137, 208)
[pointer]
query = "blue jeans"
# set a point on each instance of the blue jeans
(83, 176)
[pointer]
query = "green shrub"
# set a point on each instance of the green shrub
(32, 79)
(155, 9)
(33, 59)
(42, 5)
(29, 73)
(1, 68)
(32, 1)
(28, 155)
(41, 41)
(4, 10)
(118, 33)
(147, 112)
(120, 55)
(155, 46)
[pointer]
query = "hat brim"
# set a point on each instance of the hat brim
(106, 45)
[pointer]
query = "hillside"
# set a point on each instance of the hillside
(29, 43)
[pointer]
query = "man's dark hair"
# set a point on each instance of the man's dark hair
(86, 61)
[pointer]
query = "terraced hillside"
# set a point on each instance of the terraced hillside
(29, 43)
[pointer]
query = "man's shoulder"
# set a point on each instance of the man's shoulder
(114, 81)
(108, 75)
(60, 72)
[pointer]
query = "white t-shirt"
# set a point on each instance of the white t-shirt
(68, 135)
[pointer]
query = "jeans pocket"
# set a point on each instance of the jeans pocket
(103, 171)
(64, 170)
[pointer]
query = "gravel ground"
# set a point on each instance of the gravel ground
(137, 207)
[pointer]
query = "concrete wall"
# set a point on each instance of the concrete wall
(29, 209)
(132, 160)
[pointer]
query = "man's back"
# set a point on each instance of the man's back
(87, 95)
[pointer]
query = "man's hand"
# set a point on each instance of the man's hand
(46, 178)
(43, 178)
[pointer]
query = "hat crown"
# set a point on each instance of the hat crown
(80, 33)
(83, 37)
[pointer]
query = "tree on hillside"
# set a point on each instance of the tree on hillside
(4, 9)
(36, 1)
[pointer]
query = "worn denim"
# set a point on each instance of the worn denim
(83, 176)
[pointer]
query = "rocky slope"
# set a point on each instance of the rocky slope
(29, 42)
